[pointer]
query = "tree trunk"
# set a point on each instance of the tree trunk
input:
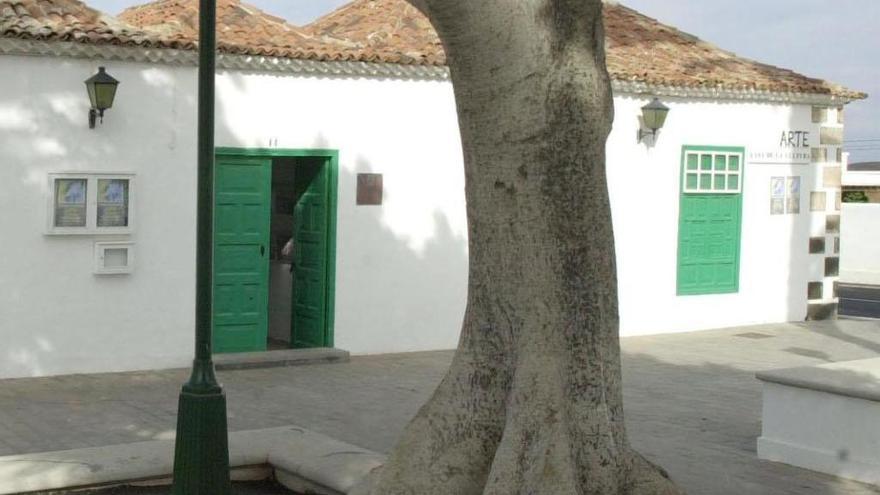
(532, 402)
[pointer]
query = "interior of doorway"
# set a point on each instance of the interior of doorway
(280, 265)
(292, 178)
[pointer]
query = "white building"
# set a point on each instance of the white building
(859, 287)
(345, 138)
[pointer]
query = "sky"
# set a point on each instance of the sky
(835, 40)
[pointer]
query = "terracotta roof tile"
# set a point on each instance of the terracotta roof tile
(390, 30)
(241, 29)
(639, 49)
(67, 20)
(237, 23)
(642, 49)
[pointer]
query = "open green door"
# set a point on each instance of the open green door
(241, 257)
(312, 254)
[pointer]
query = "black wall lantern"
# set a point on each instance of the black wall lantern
(102, 91)
(653, 117)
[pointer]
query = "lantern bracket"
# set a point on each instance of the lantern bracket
(94, 115)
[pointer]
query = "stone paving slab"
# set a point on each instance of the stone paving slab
(692, 402)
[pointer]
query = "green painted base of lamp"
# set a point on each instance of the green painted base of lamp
(201, 452)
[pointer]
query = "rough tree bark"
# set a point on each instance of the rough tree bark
(532, 403)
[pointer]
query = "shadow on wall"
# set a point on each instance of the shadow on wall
(396, 265)
(402, 282)
(781, 251)
(401, 267)
(44, 130)
(52, 304)
(798, 271)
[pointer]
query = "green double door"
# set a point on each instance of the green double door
(709, 238)
(311, 256)
(242, 221)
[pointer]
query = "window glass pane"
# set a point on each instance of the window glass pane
(70, 202)
(706, 162)
(112, 202)
(734, 162)
(720, 162)
(691, 181)
(706, 182)
(720, 183)
(692, 161)
(732, 182)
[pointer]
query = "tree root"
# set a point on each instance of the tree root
(646, 478)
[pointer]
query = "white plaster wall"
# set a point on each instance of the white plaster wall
(775, 266)
(858, 178)
(56, 316)
(860, 243)
(401, 267)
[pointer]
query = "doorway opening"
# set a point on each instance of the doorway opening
(275, 249)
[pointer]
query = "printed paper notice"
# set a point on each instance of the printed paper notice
(112, 203)
(70, 202)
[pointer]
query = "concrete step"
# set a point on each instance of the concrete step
(286, 357)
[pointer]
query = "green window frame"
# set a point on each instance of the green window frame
(710, 220)
(713, 170)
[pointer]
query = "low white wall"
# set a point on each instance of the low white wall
(820, 431)
(822, 418)
(860, 243)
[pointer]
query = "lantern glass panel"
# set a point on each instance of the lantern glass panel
(104, 95)
(93, 98)
(102, 90)
(655, 118)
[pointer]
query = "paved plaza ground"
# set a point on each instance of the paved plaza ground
(692, 402)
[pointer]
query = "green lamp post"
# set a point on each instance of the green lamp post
(201, 453)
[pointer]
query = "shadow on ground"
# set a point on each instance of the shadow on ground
(692, 402)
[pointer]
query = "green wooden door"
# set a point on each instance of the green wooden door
(709, 244)
(241, 257)
(311, 268)
(710, 221)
